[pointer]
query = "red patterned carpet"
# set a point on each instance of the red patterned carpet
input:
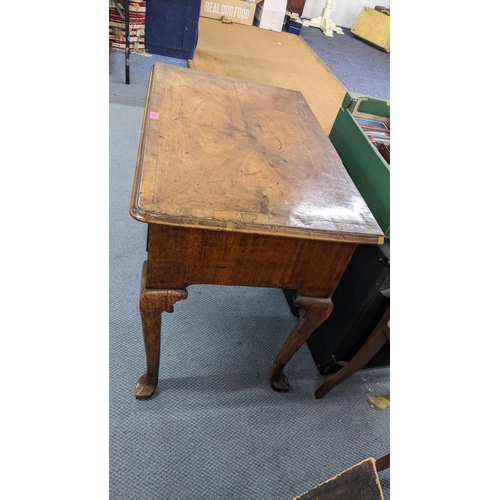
(137, 24)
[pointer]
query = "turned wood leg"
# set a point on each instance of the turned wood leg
(315, 312)
(372, 345)
(152, 303)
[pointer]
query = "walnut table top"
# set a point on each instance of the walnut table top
(234, 155)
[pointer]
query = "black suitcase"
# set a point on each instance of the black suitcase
(359, 302)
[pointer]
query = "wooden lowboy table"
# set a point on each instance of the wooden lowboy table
(239, 185)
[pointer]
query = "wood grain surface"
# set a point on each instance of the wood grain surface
(232, 155)
(359, 482)
(183, 256)
(275, 58)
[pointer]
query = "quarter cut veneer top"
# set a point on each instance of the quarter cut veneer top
(233, 155)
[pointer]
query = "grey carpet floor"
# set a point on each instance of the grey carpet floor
(214, 429)
(361, 67)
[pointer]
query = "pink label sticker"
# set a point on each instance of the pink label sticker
(154, 115)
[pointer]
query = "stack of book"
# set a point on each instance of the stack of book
(379, 133)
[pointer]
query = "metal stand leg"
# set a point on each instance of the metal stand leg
(125, 15)
(127, 43)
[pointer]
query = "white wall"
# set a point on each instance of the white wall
(344, 12)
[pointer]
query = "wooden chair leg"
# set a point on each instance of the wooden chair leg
(372, 345)
(383, 462)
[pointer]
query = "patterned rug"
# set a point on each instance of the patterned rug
(137, 25)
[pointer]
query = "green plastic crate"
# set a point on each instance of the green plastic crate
(366, 166)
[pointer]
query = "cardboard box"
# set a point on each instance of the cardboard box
(270, 14)
(293, 23)
(239, 11)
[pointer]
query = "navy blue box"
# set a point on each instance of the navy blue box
(172, 27)
(292, 24)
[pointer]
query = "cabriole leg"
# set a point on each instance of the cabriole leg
(152, 303)
(315, 312)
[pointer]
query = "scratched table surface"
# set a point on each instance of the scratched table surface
(228, 154)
